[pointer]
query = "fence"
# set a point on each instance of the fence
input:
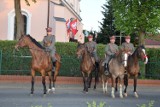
(16, 63)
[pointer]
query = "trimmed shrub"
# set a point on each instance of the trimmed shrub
(14, 62)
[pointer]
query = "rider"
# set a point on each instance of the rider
(92, 49)
(128, 45)
(49, 44)
(110, 51)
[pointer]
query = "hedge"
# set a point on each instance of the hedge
(70, 64)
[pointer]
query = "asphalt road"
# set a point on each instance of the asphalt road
(17, 95)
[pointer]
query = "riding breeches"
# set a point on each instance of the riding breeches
(52, 54)
(107, 59)
(95, 56)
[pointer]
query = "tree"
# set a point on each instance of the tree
(19, 22)
(107, 27)
(137, 16)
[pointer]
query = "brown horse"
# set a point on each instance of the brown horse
(116, 69)
(87, 66)
(41, 62)
(133, 67)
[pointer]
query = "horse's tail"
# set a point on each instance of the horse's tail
(58, 65)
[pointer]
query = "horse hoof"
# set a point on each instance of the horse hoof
(113, 96)
(125, 94)
(136, 95)
(121, 96)
(49, 90)
(53, 89)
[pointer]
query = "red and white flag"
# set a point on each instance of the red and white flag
(73, 27)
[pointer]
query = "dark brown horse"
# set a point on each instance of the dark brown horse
(87, 66)
(133, 67)
(41, 62)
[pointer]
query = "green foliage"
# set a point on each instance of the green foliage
(150, 104)
(107, 27)
(14, 63)
(137, 15)
(94, 104)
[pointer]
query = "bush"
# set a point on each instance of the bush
(12, 63)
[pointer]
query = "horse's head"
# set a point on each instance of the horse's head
(80, 50)
(123, 53)
(141, 53)
(22, 42)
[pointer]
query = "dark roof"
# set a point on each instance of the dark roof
(60, 19)
(151, 42)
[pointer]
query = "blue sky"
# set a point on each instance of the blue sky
(91, 13)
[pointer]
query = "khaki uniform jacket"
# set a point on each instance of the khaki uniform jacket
(92, 48)
(128, 46)
(49, 43)
(111, 49)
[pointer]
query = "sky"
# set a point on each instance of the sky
(91, 13)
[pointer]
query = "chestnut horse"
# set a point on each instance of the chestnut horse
(41, 62)
(133, 67)
(87, 66)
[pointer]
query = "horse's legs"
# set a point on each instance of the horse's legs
(120, 86)
(113, 87)
(116, 84)
(84, 81)
(87, 82)
(125, 84)
(50, 78)
(90, 80)
(96, 77)
(55, 73)
(135, 86)
(53, 80)
(32, 81)
(106, 83)
(44, 82)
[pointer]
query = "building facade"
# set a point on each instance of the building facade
(39, 15)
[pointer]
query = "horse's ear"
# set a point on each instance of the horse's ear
(78, 44)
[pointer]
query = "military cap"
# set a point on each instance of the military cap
(90, 36)
(127, 37)
(112, 37)
(49, 29)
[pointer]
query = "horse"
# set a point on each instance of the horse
(86, 67)
(104, 78)
(133, 67)
(117, 70)
(41, 62)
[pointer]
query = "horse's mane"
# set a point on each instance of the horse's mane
(118, 56)
(35, 42)
(141, 46)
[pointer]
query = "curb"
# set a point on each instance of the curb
(67, 80)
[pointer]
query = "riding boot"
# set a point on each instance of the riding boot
(106, 69)
(53, 67)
